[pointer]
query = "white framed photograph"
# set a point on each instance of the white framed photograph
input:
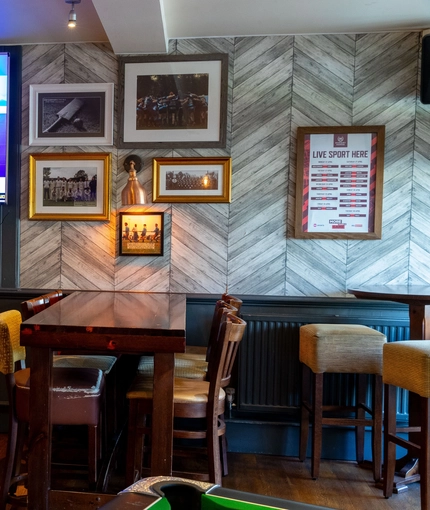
(71, 114)
(173, 101)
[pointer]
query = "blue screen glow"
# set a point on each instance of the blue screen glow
(4, 96)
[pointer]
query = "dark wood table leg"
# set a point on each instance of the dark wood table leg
(162, 414)
(39, 458)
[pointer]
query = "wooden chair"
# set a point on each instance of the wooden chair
(194, 401)
(76, 398)
(200, 353)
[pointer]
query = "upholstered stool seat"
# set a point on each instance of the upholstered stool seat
(341, 348)
(407, 365)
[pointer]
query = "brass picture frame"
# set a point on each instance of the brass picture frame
(70, 186)
(339, 182)
(191, 180)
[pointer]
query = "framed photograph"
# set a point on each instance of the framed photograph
(141, 234)
(191, 179)
(71, 114)
(69, 186)
(339, 182)
(173, 101)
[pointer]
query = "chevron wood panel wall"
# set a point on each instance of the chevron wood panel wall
(276, 84)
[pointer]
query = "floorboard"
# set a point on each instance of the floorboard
(341, 485)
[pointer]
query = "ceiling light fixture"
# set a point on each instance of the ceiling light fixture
(72, 14)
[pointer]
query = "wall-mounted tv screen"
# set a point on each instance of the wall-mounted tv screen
(4, 124)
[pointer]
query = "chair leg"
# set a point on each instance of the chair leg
(360, 414)
(377, 427)
(135, 442)
(389, 431)
(425, 453)
(304, 412)
(10, 456)
(317, 413)
(214, 459)
(93, 454)
(223, 453)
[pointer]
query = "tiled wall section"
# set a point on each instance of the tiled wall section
(275, 85)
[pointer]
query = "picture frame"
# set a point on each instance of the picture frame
(141, 234)
(62, 187)
(174, 101)
(71, 114)
(191, 179)
(339, 182)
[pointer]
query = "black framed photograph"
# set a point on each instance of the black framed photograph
(339, 182)
(173, 101)
(70, 186)
(71, 114)
(141, 234)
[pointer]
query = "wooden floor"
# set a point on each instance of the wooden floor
(341, 485)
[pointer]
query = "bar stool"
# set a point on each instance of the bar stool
(341, 348)
(407, 365)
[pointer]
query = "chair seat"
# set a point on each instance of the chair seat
(341, 348)
(186, 368)
(75, 395)
(186, 391)
(103, 363)
(407, 365)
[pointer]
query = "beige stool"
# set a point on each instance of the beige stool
(407, 365)
(341, 348)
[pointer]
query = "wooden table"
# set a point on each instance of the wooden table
(105, 322)
(417, 297)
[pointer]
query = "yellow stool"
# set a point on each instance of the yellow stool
(407, 365)
(340, 348)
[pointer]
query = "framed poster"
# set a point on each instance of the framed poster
(173, 101)
(339, 182)
(141, 234)
(71, 114)
(191, 179)
(69, 186)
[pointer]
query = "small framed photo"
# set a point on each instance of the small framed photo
(71, 114)
(173, 101)
(141, 234)
(191, 179)
(339, 182)
(70, 186)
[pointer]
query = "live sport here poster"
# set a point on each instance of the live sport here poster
(339, 182)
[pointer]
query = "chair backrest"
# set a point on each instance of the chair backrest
(53, 297)
(221, 308)
(11, 351)
(33, 306)
(233, 300)
(221, 364)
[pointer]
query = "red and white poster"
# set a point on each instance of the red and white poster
(339, 172)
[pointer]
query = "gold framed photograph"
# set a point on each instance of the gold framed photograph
(339, 182)
(191, 179)
(173, 101)
(70, 186)
(141, 234)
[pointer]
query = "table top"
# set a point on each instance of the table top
(400, 293)
(105, 316)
